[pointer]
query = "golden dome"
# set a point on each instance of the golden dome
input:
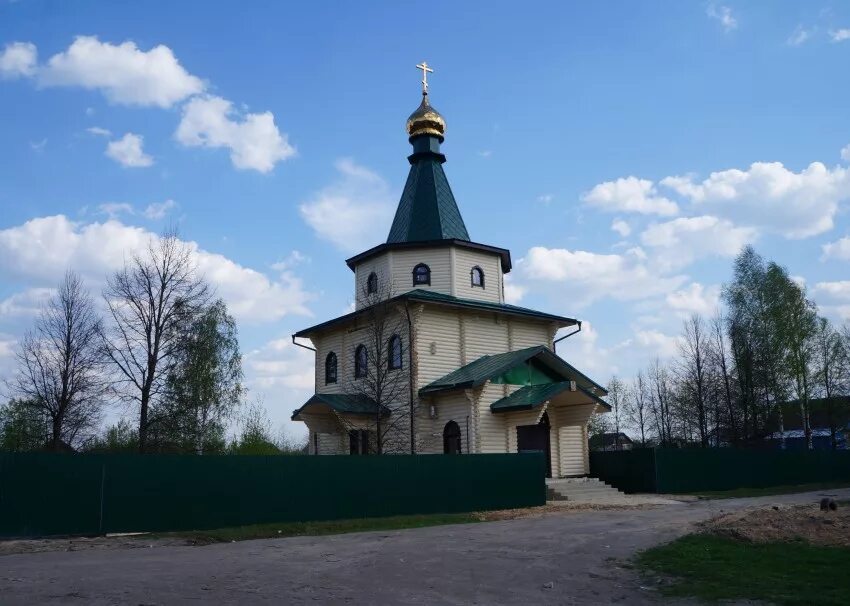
(426, 121)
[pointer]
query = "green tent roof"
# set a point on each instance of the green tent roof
(532, 396)
(343, 403)
(427, 209)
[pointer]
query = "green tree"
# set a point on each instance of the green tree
(23, 426)
(255, 433)
(205, 383)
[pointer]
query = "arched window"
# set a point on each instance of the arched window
(421, 275)
(394, 361)
(372, 284)
(451, 438)
(477, 276)
(361, 361)
(330, 368)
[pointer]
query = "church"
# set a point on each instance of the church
(432, 359)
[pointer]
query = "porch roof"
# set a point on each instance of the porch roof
(353, 404)
(479, 371)
(532, 396)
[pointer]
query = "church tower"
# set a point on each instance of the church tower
(433, 359)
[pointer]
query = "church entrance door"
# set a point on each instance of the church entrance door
(532, 438)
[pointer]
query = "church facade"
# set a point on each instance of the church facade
(432, 359)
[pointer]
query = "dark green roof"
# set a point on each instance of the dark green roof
(479, 371)
(430, 296)
(427, 209)
(503, 253)
(532, 396)
(354, 404)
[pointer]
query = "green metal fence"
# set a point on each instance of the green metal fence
(62, 494)
(674, 470)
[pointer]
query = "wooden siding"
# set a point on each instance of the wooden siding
(485, 334)
(437, 259)
(437, 347)
(381, 266)
(572, 438)
(450, 407)
(465, 260)
(529, 333)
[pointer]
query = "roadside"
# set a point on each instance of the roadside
(294, 529)
(782, 553)
(581, 556)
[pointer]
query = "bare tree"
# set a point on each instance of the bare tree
(638, 406)
(382, 370)
(60, 363)
(616, 398)
(692, 371)
(720, 358)
(660, 399)
(149, 300)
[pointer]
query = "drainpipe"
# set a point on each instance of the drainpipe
(569, 334)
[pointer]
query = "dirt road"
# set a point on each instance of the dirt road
(568, 558)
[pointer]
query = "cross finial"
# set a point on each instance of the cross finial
(425, 71)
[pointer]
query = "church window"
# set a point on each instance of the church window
(361, 361)
(330, 368)
(395, 352)
(451, 438)
(422, 275)
(372, 284)
(477, 276)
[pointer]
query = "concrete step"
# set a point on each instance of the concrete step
(581, 489)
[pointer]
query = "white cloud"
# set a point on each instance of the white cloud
(545, 198)
(38, 146)
(840, 249)
(656, 341)
(679, 242)
(723, 15)
(158, 210)
(125, 74)
(621, 227)
(128, 152)
(513, 292)
(113, 210)
(26, 303)
(592, 276)
(353, 212)
(18, 60)
(836, 290)
(840, 35)
(845, 153)
(799, 36)
(630, 194)
(253, 139)
(694, 299)
(39, 251)
(768, 195)
(98, 131)
(280, 363)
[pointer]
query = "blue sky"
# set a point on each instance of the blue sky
(623, 152)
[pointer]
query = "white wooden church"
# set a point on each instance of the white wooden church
(433, 360)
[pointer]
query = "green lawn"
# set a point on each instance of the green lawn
(291, 529)
(714, 568)
(769, 490)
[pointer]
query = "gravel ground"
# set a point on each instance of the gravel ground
(559, 557)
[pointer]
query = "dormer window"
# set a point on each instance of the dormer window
(361, 361)
(372, 284)
(477, 277)
(330, 368)
(422, 275)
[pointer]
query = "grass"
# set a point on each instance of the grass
(769, 490)
(294, 529)
(715, 568)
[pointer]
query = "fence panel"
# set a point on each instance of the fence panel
(629, 470)
(675, 470)
(50, 494)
